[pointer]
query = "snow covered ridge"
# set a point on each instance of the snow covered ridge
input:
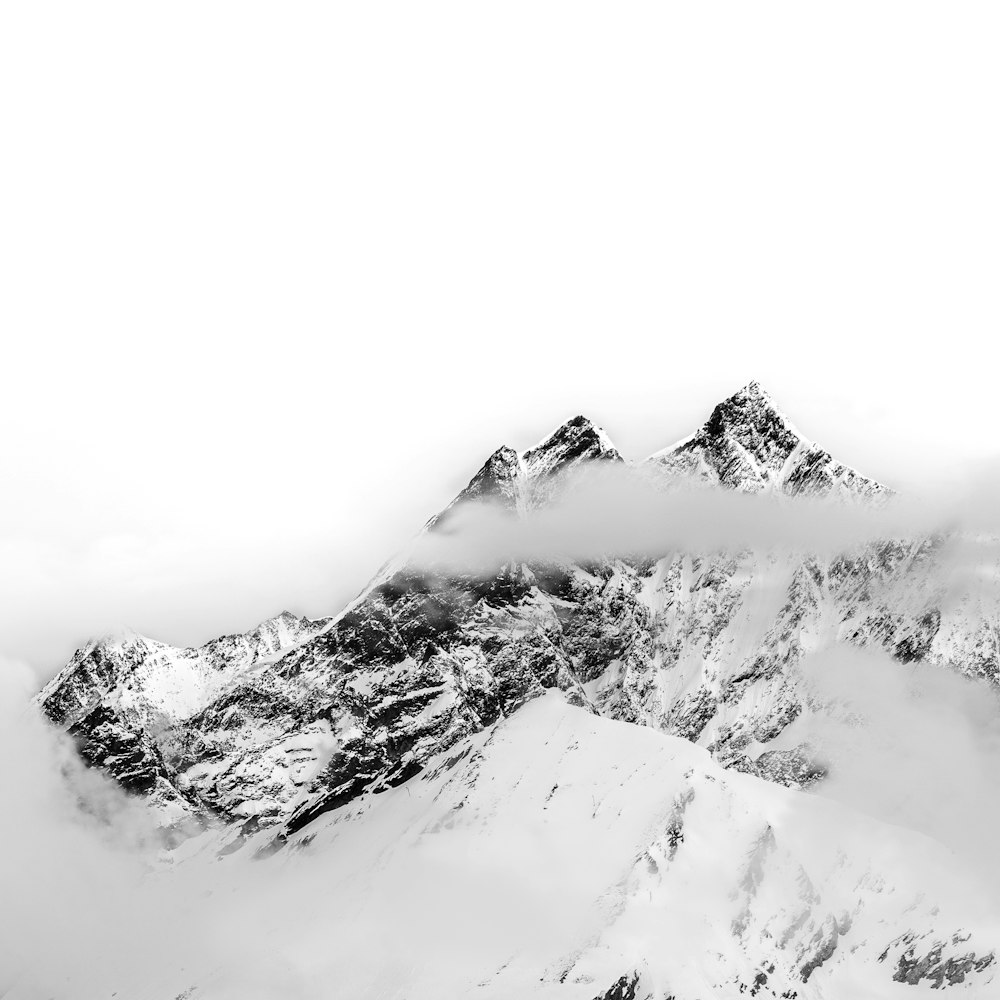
(122, 692)
(557, 854)
(275, 728)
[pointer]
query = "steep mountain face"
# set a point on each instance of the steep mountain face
(704, 646)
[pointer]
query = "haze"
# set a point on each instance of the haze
(277, 280)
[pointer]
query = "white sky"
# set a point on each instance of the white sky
(276, 278)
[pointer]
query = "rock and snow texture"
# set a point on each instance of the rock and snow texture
(748, 444)
(557, 854)
(120, 695)
(432, 722)
(297, 718)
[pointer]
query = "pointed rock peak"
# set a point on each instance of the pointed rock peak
(503, 462)
(749, 420)
(754, 390)
(286, 618)
(511, 479)
(577, 440)
(579, 422)
(493, 480)
(749, 444)
(752, 406)
(282, 629)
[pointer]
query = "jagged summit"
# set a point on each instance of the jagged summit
(752, 405)
(518, 480)
(152, 677)
(495, 481)
(119, 636)
(749, 444)
(297, 731)
(122, 638)
(425, 659)
(577, 440)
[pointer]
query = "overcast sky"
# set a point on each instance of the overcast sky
(276, 278)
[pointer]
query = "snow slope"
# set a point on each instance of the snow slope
(557, 854)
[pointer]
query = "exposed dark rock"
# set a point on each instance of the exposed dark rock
(625, 988)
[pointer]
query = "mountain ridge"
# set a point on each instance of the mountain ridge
(671, 688)
(291, 726)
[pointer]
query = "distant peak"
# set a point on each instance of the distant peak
(285, 618)
(113, 639)
(752, 394)
(756, 392)
(512, 478)
(119, 636)
(578, 437)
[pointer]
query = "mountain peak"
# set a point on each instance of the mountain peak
(116, 638)
(754, 388)
(750, 445)
(752, 416)
(515, 480)
(577, 440)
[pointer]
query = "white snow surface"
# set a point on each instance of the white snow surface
(548, 856)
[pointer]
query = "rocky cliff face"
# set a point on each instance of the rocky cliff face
(123, 694)
(274, 728)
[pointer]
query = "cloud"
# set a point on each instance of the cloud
(178, 588)
(91, 905)
(605, 509)
(911, 744)
(97, 906)
(916, 744)
(68, 877)
(93, 908)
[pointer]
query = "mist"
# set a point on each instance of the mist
(95, 903)
(276, 280)
(910, 745)
(605, 510)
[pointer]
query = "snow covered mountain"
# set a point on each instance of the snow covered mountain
(248, 743)
(122, 692)
(297, 717)
(748, 444)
